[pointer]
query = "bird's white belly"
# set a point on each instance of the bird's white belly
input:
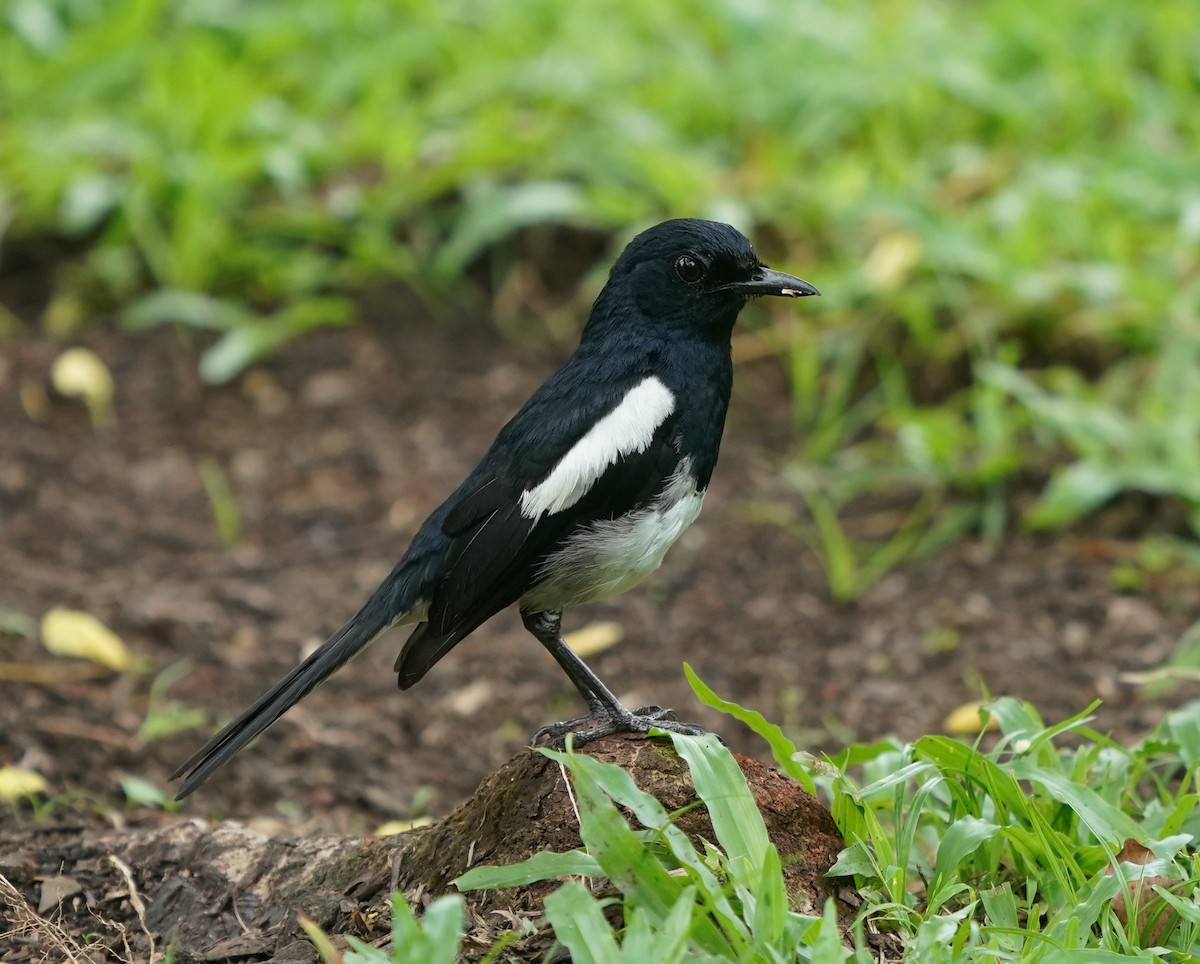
(607, 557)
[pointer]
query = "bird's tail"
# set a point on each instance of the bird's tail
(367, 624)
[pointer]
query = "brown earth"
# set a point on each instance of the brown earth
(224, 893)
(334, 452)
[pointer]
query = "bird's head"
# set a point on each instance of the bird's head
(692, 274)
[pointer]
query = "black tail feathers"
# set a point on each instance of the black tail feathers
(421, 650)
(334, 653)
(397, 599)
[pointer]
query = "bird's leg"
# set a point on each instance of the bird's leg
(606, 714)
(546, 629)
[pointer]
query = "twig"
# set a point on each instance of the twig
(49, 937)
(135, 898)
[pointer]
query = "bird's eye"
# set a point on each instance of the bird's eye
(689, 269)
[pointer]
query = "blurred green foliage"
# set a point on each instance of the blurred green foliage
(1000, 201)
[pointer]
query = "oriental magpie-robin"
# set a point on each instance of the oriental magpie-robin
(582, 492)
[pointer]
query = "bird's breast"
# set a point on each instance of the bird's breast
(608, 556)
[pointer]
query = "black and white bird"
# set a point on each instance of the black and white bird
(582, 492)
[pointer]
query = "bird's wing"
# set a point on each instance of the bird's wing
(533, 489)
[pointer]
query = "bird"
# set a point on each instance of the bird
(580, 495)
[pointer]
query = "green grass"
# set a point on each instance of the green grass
(1032, 850)
(999, 201)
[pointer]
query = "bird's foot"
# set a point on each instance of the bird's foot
(603, 722)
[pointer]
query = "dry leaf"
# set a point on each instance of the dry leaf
(594, 638)
(968, 719)
(1155, 917)
(69, 632)
(16, 783)
(891, 260)
(470, 699)
(57, 889)
(1133, 852)
(80, 373)
(64, 315)
(401, 826)
(34, 400)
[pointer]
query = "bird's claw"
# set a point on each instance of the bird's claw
(657, 712)
(584, 729)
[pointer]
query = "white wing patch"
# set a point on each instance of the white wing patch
(628, 428)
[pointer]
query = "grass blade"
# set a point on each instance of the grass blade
(542, 866)
(782, 749)
(580, 925)
(722, 786)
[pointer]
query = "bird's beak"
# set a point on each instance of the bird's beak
(768, 281)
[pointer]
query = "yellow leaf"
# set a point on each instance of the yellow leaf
(16, 783)
(34, 399)
(80, 373)
(892, 259)
(401, 826)
(64, 315)
(594, 638)
(967, 720)
(68, 632)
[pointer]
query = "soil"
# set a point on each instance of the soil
(222, 893)
(334, 452)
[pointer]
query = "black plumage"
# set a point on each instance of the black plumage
(582, 491)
